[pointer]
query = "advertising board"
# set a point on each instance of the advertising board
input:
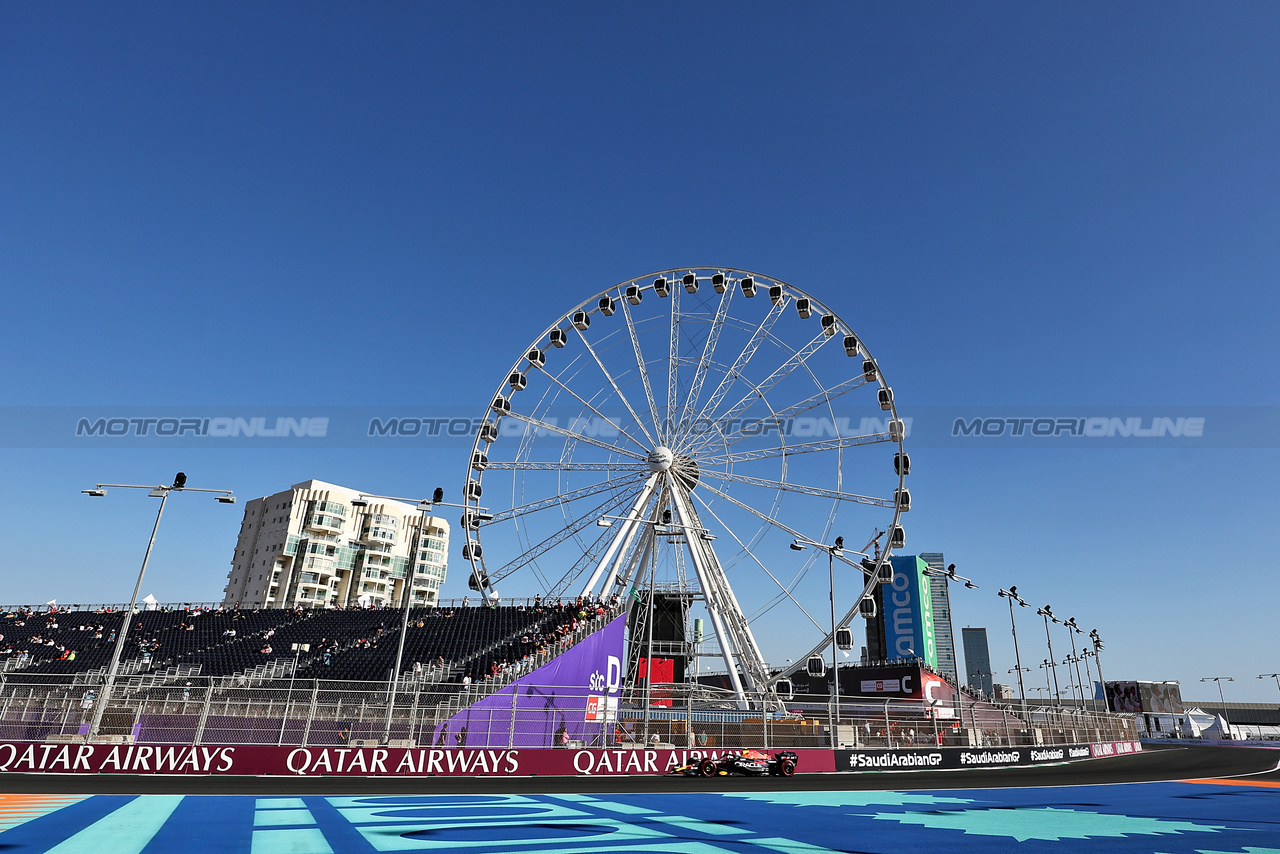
(562, 700)
(165, 759)
(1163, 698)
(1123, 697)
(908, 612)
(956, 758)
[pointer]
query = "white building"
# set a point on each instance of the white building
(310, 546)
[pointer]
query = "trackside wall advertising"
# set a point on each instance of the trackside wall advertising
(268, 760)
(954, 758)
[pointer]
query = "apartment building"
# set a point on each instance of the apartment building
(319, 545)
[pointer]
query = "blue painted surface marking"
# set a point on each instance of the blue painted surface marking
(1147, 818)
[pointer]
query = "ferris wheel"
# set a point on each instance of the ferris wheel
(706, 433)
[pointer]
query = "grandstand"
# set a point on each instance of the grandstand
(456, 642)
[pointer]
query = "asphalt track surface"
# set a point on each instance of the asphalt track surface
(1257, 765)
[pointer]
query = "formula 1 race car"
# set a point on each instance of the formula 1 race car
(747, 763)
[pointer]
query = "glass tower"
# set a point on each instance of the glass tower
(977, 661)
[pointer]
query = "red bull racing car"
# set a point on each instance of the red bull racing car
(746, 763)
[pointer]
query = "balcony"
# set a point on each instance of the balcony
(319, 564)
(378, 535)
(332, 507)
(324, 523)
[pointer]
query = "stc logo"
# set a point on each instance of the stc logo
(611, 680)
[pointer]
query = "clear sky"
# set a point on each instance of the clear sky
(320, 205)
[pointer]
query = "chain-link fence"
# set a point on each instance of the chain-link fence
(196, 710)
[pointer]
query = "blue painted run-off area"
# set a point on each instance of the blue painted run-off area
(1175, 818)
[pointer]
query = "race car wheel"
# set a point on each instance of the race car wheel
(707, 768)
(787, 768)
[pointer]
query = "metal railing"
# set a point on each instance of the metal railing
(181, 709)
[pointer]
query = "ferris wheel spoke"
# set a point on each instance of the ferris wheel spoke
(786, 592)
(788, 486)
(789, 450)
(581, 437)
(758, 392)
(770, 520)
(555, 379)
(564, 498)
(708, 350)
(753, 343)
(737, 435)
(588, 518)
(529, 465)
(824, 396)
(608, 376)
(589, 557)
(673, 369)
(641, 366)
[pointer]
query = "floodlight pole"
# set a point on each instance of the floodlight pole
(425, 507)
(1017, 655)
(1053, 664)
(162, 492)
(1220, 680)
(834, 712)
(833, 708)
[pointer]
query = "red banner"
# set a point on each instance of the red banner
(28, 757)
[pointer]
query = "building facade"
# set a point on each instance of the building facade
(977, 661)
(309, 546)
(945, 634)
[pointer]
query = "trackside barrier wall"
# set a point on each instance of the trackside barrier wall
(258, 760)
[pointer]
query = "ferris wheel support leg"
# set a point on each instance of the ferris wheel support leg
(736, 642)
(619, 577)
(623, 532)
(621, 559)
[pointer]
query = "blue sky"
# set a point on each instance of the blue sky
(379, 204)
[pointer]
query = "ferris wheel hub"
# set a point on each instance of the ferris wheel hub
(661, 458)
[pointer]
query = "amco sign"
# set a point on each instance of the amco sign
(908, 612)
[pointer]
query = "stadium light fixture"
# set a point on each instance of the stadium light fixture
(1220, 680)
(1047, 613)
(425, 507)
(224, 496)
(1012, 595)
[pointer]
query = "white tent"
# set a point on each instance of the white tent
(151, 602)
(1196, 721)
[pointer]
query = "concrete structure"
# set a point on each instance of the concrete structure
(309, 547)
(977, 660)
(944, 634)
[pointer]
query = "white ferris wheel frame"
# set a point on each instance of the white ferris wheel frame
(651, 476)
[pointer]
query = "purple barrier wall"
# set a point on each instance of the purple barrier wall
(530, 711)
